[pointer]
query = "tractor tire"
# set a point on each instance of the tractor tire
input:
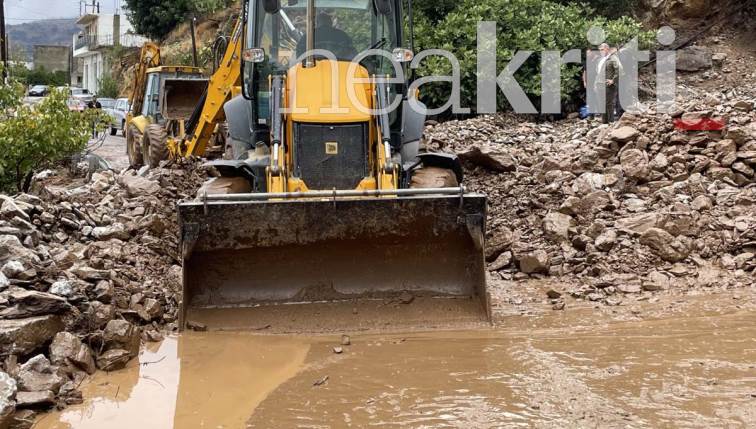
(134, 146)
(433, 177)
(155, 145)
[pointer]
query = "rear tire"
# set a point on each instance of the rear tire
(433, 177)
(113, 131)
(133, 146)
(155, 145)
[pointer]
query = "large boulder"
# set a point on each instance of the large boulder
(557, 226)
(489, 158)
(12, 249)
(38, 375)
(665, 245)
(113, 360)
(26, 303)
(693, 58)
(137, 186)
(21, 337)
(121, 334)
(68, 350)
(534, 262)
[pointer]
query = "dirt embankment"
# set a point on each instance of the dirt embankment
(611, 214)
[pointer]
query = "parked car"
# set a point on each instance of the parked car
(107, 103)
(76, 105)
(39, 91)
(118, 113)
(82, 94)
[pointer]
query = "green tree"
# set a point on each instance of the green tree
(157, 18)
(533, 25)
(36, 137)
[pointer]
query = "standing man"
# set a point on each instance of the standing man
(608, 77)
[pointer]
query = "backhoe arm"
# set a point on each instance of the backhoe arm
(219, 91)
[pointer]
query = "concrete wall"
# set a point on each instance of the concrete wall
(52, 58)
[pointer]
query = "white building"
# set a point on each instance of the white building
(100, 33)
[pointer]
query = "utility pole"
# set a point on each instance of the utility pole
(3, 41)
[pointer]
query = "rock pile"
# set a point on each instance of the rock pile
(641, 205)
(85, 274)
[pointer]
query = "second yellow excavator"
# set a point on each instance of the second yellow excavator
(176, 111)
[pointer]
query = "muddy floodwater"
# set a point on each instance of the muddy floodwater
(686, 369)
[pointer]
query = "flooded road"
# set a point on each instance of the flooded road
(683, 370)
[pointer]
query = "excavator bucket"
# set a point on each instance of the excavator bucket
(264, 262)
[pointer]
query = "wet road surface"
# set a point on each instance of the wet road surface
(691, 369)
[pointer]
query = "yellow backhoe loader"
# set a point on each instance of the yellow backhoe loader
(347, 224)
(179, 110)
(163, 99)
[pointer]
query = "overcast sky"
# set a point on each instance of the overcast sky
(18, 11)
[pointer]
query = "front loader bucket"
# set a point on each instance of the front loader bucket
(329, 265)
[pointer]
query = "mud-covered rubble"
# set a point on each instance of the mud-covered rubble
(86, 273)
(615, 212)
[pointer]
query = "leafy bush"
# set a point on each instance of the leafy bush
(533, 25)
(35, 137)
(39, 76)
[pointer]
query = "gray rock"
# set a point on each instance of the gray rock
(503, 261)
(21, 337)
(37, 399)
(656, 281)
(37, 374)
(12, 269)
(113, 360)
(635, 164)
(137, 186)
(701, 203)
(624, 134)
(8, 391)
(121, 334)
(693, 58)
(26, 303)
(557, 226)
(640, 223)
(62, 288)
(12, 249)
(67, 349)
(117, 230)
(534, 262)
(605, 242)
(4, 282)
(490, 159)
(104, 292)
(501, 241)
(665, 245)
(9, 209)
(100, 314)
(89, 273)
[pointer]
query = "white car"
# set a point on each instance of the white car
(118, 115)
(82, 94)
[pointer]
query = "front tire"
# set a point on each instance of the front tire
(133, 146)
(155, 145)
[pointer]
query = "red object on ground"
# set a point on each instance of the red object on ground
(703, 124)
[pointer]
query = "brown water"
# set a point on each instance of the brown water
(684, 370)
